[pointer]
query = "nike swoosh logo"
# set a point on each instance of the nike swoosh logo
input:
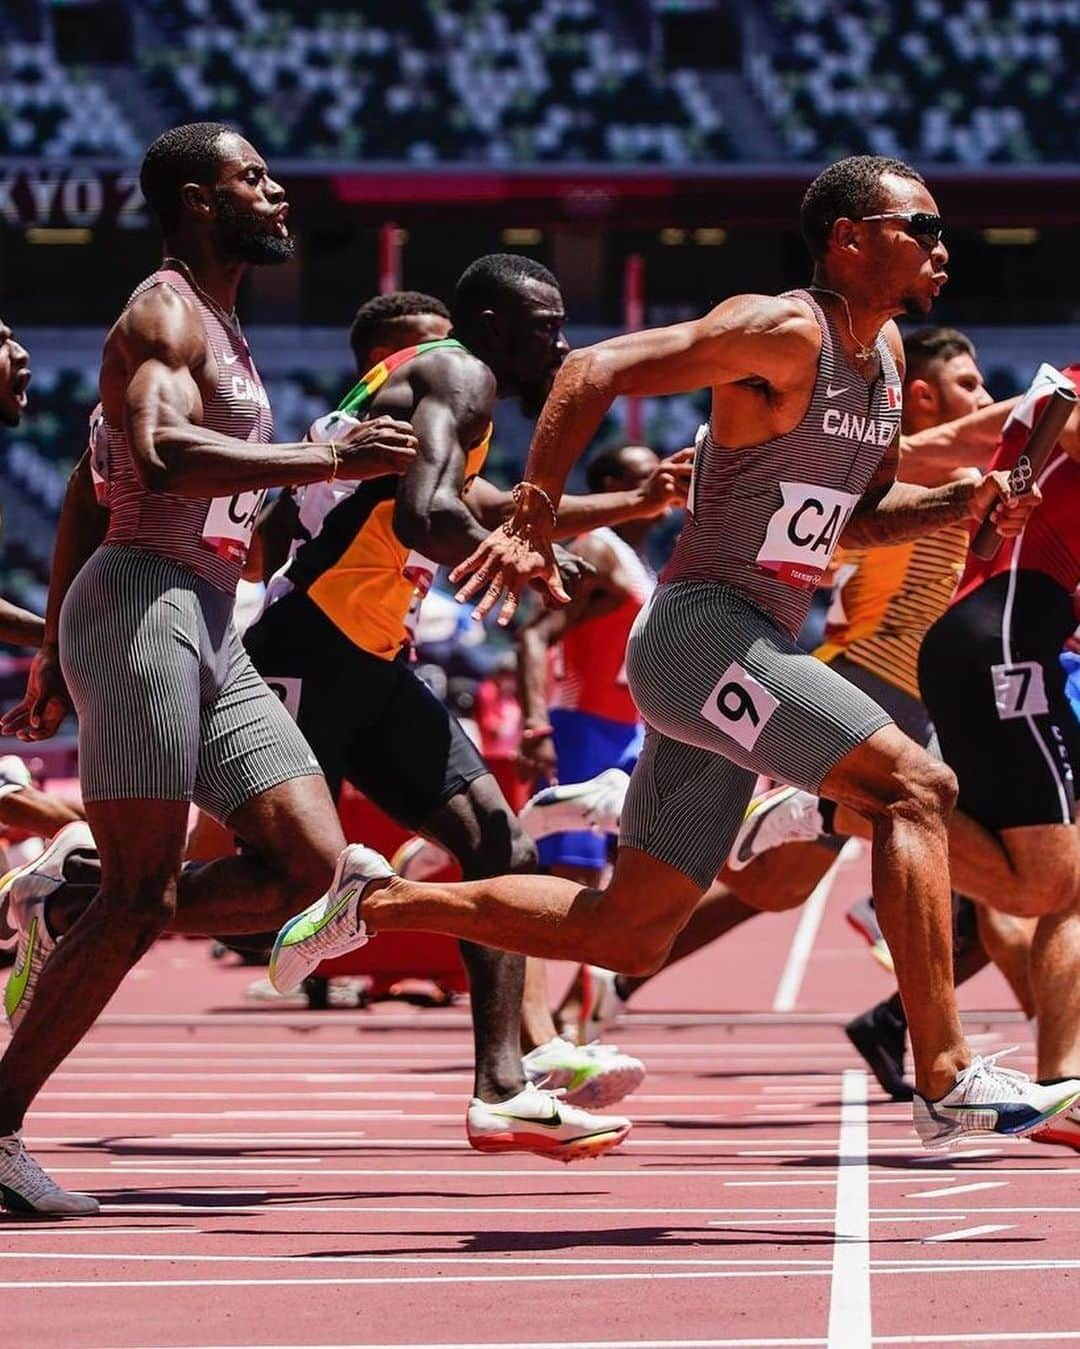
(830, 392)
(21, 973)
(553, 1121)
(341, 904)
(231, 360)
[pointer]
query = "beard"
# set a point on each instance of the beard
(916, 307)
(244, 237)
(10, 413)
(532, 398)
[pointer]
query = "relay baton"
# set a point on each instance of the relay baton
(1030, 461)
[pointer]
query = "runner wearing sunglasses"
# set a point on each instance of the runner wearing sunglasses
(801, 450)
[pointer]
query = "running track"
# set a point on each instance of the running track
(288, 1178)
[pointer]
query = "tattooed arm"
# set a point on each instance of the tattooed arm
(894, 512)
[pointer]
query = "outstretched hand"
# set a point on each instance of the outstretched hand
(45, 703)
(509, 559)
(669, 484)
(995, 499)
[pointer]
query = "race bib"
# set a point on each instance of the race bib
(803, 533)
(230, 523)
(287, 689)
(740, 706)
(1019, 690)
(420, 571)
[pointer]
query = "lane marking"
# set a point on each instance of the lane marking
(802, 944)
(966, 1233)
(948, 1190)
(849, 1298)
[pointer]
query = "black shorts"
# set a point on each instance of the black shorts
(995, 690)
(370, 722)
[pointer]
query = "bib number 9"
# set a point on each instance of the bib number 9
(740, 706)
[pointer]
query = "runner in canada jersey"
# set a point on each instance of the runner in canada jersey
(208, 537)
(712, 664)
(139, 633)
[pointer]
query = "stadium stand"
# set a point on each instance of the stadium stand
(47, 108)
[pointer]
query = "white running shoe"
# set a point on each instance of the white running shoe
(25, 1188)
(990, 1100)
(596, 804)
(332, 925)
(863, 918)
(783, 815)
(1063, 1130)
(592, 1076)
(601, 1005)
(418, 859)
(541, 1122)
(26, 892)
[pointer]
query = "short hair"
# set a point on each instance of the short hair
(849, 188)
(487, 280)
(183, 154)
(379, 313)
(925, 346)
(607, 464)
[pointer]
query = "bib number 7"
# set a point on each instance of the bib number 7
(1019, 689)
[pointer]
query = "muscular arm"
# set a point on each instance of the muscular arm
(580, 513)
(774, 339)
(19, 626)
(453, 406)
(154, 359)
(929, 457)
(893, 512)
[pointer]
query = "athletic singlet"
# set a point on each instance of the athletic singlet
(590, 661)
(209, 536)
(765, 519)
(885, 599)
(352, 564)
(1050, 541)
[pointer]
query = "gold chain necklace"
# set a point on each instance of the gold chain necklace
(862, 352)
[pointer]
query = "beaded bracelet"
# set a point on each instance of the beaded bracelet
(519, 489)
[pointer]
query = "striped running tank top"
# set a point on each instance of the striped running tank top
(209, 536)
(765, 519)
(350, 562)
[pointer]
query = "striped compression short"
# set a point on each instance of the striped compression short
(726, 696)
(170, 706)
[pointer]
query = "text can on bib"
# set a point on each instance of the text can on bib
(230, 523)
(804, 532)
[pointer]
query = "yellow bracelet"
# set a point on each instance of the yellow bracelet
(337, 460)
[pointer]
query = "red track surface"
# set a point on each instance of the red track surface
(289, 1178)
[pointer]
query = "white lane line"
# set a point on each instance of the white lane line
(802, 943)
(993, 1337)
(849, 1299)
(780, 1263)
(397, 1280)
(966, 1233)
(948, 1191)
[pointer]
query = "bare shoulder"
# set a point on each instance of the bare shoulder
(784, 317)
(161, 325)
(456, 373)
(595, 550)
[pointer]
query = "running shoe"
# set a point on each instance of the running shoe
(596, 804)
(879, 1036)
(9, 933)
(1064, 1130)
(25, 1188)
(542, 1122)
(418, 859)
(783, 815)
(601, 1004)
(592, 1076)
(863, 918)
(27, 892)
(990, 1100)
(332, 925)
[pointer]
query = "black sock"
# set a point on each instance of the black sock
(827, 811)
(895, 1008)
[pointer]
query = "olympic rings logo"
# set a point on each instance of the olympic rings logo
(1021, 475)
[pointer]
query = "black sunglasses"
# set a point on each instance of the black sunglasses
(921, 225)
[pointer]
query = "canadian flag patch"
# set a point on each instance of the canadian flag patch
(893, 396)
